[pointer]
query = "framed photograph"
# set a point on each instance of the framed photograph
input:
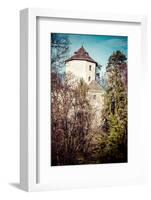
(82, 80)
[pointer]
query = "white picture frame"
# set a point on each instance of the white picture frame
(28, 91)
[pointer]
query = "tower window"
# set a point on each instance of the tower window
(90, 67)
(89, 79)
(94, 96)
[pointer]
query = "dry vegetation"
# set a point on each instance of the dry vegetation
(74, 139)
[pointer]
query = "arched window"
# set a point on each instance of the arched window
(89, 67)
(89, 78)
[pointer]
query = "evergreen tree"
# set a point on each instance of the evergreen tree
(115, 111)
(116, 59)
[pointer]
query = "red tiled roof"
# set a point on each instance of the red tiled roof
(81, 54)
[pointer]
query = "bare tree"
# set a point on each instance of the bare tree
(72, 118)
(59, 52)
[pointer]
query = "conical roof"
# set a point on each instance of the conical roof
(81, 54)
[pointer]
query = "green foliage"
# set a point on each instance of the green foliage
(115, 112)
(74, 138)
(116, 58)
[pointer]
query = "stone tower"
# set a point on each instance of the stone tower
(82, 65)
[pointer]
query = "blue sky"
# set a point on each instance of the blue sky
(99, 47)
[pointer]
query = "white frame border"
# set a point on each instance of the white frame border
(28, 82)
